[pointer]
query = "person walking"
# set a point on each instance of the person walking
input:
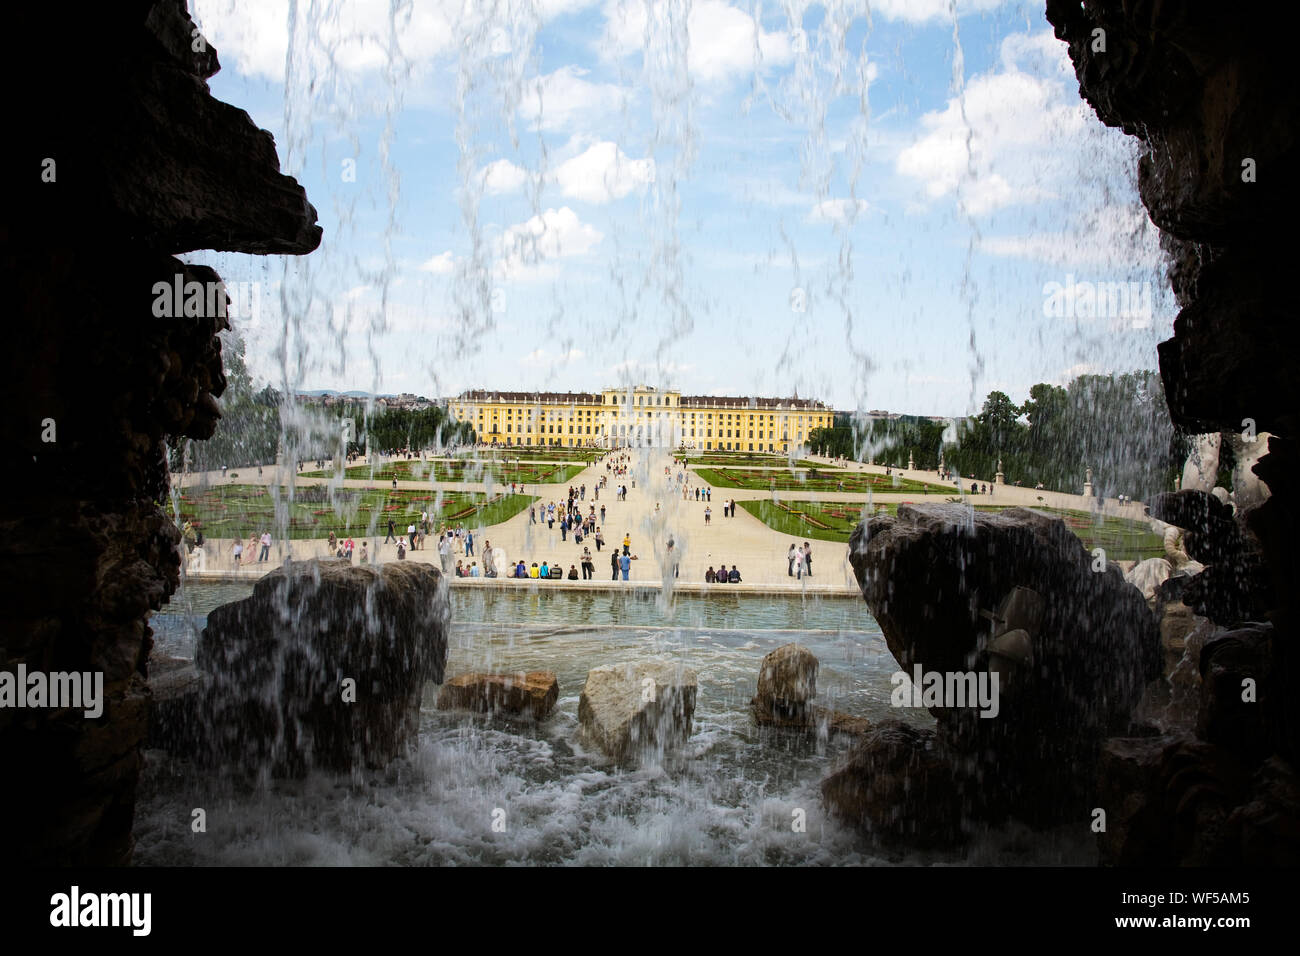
(391, 528)
(602, 514)
(469, 543)
(627, 543)
(266, 547)
(588, 566)
(708, 513)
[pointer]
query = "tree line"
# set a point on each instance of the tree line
(256, 423)
(1117, 425)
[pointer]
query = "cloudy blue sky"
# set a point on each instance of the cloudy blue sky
(863, 203)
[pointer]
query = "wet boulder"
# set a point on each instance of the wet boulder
(1064, 646)
(897, 784)
(1232, 586)
(637, 709)
(533, 694)
(787, 684)
(1234, 668)
(323, 665)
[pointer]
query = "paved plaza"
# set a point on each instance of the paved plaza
(653, 513)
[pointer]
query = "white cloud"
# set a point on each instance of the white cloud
(922, 11)
(601, 173)
(543, 358)
(255, 36)
(1010, 132)
(526, 248)
(723, 41)
(443, 264)
(502, 176)
(1113, 238)
(565, 99)
(840, 211)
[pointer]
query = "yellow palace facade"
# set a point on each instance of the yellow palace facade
(640, 416)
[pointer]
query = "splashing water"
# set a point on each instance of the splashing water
(357, 86)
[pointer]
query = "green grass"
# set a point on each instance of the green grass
(1122, 539)
(453, 471)
(240, 510)
(823, 479)
(534, 453)
(733, 459)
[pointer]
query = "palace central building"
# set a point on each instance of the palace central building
(640, 416)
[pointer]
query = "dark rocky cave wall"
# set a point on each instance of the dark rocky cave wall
(146, 164)
(1212, 92)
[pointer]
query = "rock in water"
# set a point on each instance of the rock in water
(787, 681)
(942, 582)
(897, 784)
(323, 665)
(637, 709)
(534, 693)
(787, 684)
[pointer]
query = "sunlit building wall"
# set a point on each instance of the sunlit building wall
(640, 416)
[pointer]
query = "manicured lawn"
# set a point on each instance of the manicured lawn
(533, 453)
(1122, 539)
(744, 460)
(240, 510)
(822, 479)
(455, 470)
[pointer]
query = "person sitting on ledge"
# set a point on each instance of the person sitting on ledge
(546, 570)
(710, 576)
(460, 569)
(573, 572)
(473, 570)
(520, 570)
(734, 576)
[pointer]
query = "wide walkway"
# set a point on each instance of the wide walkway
(653, 513)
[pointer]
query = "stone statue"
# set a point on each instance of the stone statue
(1202, 463)
(1247, 490)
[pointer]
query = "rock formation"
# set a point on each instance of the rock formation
(787, 684)
(637, 710)
(533, 694)
(277, 665)
(112, 170)
(1015, 595)
(1213, 97)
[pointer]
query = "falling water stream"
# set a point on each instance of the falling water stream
(729, 796)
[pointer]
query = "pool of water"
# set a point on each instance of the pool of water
(481, 790)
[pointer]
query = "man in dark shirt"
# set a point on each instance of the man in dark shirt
(734, 576)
